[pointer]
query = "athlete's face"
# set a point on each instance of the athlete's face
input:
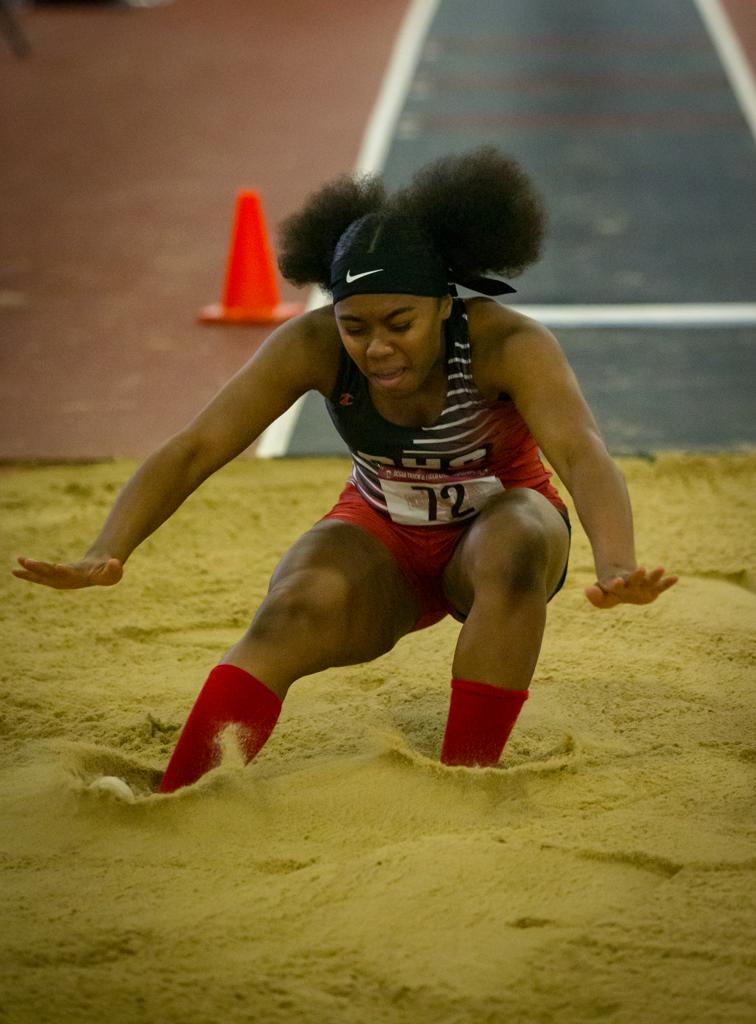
(395, 340)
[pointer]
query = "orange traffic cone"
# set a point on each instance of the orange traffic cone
(250, 295)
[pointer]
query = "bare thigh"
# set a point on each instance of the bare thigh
(337, 597)
(500, 579)
(519, 542)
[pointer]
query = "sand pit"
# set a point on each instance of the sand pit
(604, 871)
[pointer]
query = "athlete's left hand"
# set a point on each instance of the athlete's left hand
(637, 587)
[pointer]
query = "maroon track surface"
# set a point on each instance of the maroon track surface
(131, 132)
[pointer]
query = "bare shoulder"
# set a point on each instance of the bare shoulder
(318, 324)
(307, 347)
(316, 330)
(506, 344)
(494, 324)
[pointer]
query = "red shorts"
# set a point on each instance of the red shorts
(423, 552)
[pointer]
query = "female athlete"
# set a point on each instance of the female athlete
(444, 404)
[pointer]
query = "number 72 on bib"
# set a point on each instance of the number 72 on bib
(425, 503)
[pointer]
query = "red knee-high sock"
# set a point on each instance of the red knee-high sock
(481, 717)
(230, 696)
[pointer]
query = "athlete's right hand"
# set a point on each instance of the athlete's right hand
(89, 572)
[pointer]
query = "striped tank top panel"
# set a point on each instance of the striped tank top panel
(445, 472)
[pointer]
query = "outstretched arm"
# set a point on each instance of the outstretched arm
(532, 369)
(299, 356)
(603, 505)
(150, 497)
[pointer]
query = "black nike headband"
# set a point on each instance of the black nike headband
(404, 274)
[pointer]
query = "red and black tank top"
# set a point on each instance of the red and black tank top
(442, 473)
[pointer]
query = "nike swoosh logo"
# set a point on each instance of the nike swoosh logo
(355, 277)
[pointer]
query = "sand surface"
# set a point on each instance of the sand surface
(605, 871)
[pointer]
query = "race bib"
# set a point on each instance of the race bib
(429, 499)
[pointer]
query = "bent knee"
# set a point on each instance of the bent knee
(522, 567)
(311, 599)
(515, 553)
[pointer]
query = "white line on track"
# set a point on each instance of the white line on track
(395, 87)
(733, 59)
(375, 145)
(689, 315)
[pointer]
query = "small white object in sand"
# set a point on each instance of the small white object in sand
(114, 785)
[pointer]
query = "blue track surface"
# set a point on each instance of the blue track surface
(624, 117)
